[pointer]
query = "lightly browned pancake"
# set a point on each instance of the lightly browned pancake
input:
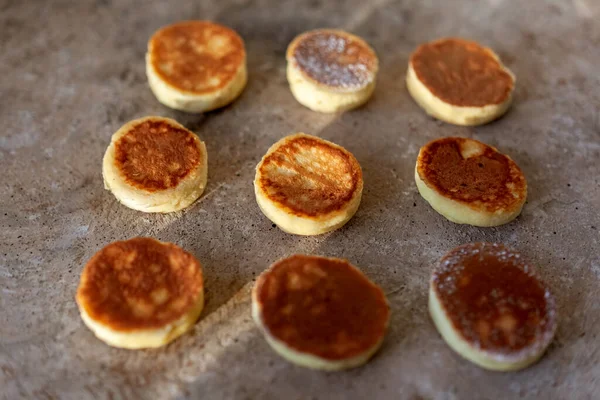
(462, 73)
(139, 283)
(322, 306)
(494, 299)
(334, 58)
(469, 171)
(198, 57)
(157, 155)
(310, 176)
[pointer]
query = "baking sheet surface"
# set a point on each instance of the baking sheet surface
(73, 72)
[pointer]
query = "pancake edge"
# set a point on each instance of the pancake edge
(144, 338)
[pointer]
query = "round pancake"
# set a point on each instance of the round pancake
(196, 66)
(320, 312)
(308, 185)
(140, 293)
(490, 307)
(470, 182)
(335, 59)
(331, 70)
(460, 81)
(154, 164)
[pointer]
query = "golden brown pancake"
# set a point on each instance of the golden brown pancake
(333, 58)
(197, 57)
(156, 155)
(494, 300)
(310, 176)
(139, 284)
(472, 172)
(462, 73)
(320, 306)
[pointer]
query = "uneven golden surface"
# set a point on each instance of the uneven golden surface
(139, 283)
(309, 176)
(461, 72)
(472, 172)
(155, 155)
(196, 56)
(493, 298)
(322, 306)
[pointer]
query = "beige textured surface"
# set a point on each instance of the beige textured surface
(73, 73)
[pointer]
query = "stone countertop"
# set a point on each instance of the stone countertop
(73, 73)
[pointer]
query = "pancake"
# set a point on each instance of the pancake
(490, 307)
(459, 81)
(469, 182)
(140, 293)
(154, 164)
(196, 66)
(307, 185)
(319, 312)
(330, 70)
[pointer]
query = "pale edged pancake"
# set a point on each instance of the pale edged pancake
(491, 308)
(459, 81)
(320, 312)
(155, 164)
(469, 182)
(331, 70)
(140, 293)
(307, 185)
(196, 66)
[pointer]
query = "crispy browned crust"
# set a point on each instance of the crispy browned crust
(321, 306)
(489, 180)
(333, 179)
(157, 155)
(139, 283)
(198, 57)
(462, 73)
(494, 299)
(334, 58)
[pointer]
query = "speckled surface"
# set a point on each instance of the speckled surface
(73, 73)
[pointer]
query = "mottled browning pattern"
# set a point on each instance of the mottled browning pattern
(335, 59)
(493, 298)
(462, 73)
(197, 56)
(472, 172)
(139, 283)
(155, 155)
(310, 176)
(322, 306)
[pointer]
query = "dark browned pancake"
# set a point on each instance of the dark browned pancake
(469, 171)
(334, 58)
(310, 176)
(462, 73)
(199, 57)
(321, 306)
(156, 154)
(493, 298)
(139, 283)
